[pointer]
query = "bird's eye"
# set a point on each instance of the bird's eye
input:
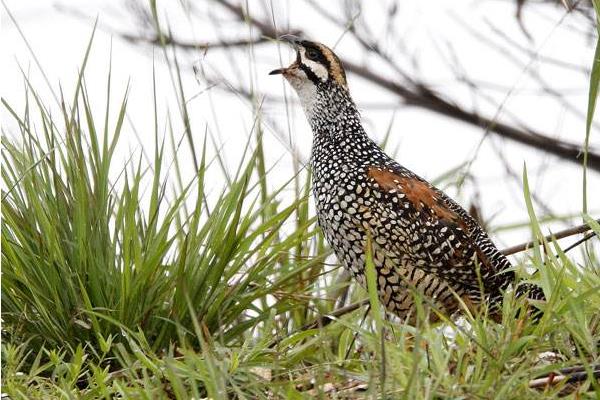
(312, 54)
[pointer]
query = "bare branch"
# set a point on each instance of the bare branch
(423, 96)
(427, 99)
(325, 320)
(558, 235)
(168, 40)
(570, 375)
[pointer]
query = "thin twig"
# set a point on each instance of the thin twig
(169, 40)
(325, 320)
(570, 375)
(580, 241)
(558, 235)
(362, 321)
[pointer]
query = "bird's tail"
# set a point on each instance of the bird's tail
(532, 292)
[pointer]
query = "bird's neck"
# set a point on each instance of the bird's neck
(337, 128)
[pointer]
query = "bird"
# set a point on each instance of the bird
(423, 244)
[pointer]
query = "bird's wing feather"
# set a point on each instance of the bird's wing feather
(437, 234)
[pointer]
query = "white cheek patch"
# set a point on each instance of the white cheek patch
(319, 69)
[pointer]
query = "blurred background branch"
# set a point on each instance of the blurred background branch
(410, 88)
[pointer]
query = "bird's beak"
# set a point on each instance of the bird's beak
(294, 41)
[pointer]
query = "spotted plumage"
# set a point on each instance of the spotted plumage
(421, 239)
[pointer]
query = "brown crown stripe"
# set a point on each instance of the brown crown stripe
(335, 65)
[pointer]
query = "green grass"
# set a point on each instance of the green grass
(119, 282)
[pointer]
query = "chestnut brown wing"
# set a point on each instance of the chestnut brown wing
(438, 235)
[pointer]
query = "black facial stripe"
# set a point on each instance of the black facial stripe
(324, 60)
(310, 74)
(321, 57)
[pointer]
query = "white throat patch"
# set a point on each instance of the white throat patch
(306, 90)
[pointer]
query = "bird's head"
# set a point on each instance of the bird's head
(316, 66)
